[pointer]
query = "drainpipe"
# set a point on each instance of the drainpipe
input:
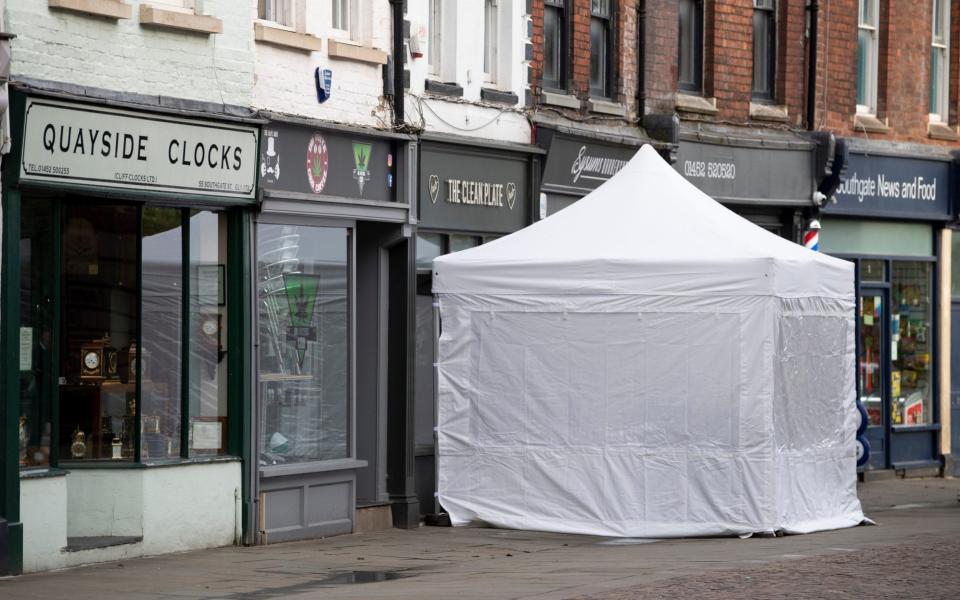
(814, 8)
(398, 62)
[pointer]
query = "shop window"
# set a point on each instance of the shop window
(490, 39)
(873, 271)
(108, 335)
(429, 246)
(555, 44)
(463, 242)
(601, 48)
(208, 333)
(911, 314)
(940, 61)
(872, 317)
(690, 51)
(161, 354)
(37, 316)
(764, 48)
(868, 43)
(304, 351)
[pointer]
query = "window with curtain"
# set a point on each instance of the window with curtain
(554, 44)
(341, 14)
(490, 34)
(690, 54)
(601, 48)
(940, 61)
(867, 56)
(764, 49)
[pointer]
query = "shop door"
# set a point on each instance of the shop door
(873, 372)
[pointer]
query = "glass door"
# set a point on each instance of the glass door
(873, 379)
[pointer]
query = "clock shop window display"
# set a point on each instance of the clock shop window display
(113, 308)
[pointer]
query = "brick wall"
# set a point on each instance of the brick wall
(73, 48)
(730, 74)
(626, 60)
(903, 70)
(659, 55)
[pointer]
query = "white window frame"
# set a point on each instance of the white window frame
(435, 33)
(347, 32)
(491, 40)
(187, 6)
(873, 27)
(942, 47)
(296, 21)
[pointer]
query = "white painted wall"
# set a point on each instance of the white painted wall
(461, 62)
(285, 77)
(43, 512)
(71, 47)
(177, 508)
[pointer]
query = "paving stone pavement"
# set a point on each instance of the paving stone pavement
(912, 553)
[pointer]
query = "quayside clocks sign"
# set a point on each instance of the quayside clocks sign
(105, 147)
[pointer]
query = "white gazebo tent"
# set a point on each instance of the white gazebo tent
(646, 363)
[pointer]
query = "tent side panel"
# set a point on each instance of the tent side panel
(626, 416)
(815, 416)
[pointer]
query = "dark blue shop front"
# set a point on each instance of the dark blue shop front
(889, 217)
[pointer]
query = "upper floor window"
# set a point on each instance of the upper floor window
(868, 45)
(940, 61)
(434, 25)
(490, 34)
(555, 44)
(690, 54)
(764, 48)
(280, 12)
(601, 48)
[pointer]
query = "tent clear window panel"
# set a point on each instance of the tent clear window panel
(304, 366)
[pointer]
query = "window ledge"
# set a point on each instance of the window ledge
(344, 464)
(768, 112)
(42, 473)
(183, 21)
(269, 33)
(696, 104)
(113, 9)
(492, 95)
(870, 124)
(942, 131)
(443, 89)
(563, 100)
(356, 52)
(606, 107)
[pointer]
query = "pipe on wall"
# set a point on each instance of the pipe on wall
(814, 8)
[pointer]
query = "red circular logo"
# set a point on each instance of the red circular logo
(317, 162)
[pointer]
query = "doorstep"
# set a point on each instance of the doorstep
(373, 517)
(94, 542)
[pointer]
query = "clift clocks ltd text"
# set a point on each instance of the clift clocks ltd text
(128, 146)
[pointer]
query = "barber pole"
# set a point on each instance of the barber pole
(811, 237)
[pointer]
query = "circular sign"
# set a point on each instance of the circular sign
(863, 451)
(862, 419)
(318, 159)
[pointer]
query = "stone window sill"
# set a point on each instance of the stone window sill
(605, 107)
(942, 131)
(498, 97)
(112, 9)
(562, 100)
(768, 112)
(870, 124)
(355, 52)
(277, 35)
(179, 20)
(696, 104)
(440, 88)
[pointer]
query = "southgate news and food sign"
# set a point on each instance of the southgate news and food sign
(888, 186)
(105, 147)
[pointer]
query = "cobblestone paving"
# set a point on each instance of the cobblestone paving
(928, 571)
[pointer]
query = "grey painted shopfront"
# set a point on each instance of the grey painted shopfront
(333, 272)
(889, 219)
(470, 192)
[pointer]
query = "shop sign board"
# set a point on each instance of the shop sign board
(70, 143)
(742, 174)
(577, 166)
(893, 186)
(473, 189)
(307, 160)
